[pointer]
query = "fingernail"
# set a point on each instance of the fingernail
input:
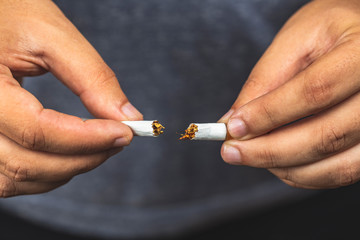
(226, 116)
(236, 128)
(121, 142)
(131, 112)
(231, 154)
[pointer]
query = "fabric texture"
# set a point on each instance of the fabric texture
(178, 62)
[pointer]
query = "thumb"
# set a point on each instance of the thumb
(75, 62)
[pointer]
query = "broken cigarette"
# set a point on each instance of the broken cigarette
(145, 128)
(205, 131)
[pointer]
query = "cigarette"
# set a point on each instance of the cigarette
(148, 128)
(205, 131)
(145, 128)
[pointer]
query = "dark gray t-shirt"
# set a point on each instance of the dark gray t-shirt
(178, 62)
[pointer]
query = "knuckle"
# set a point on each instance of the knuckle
(7, 188)
(287, 174)
(256, 84)
(33, 138)
(17, 171)
(253, 83)
(267, 159)
(347, 174)
(317, 90)
(268, 114)
(332, 140)
(259, 117)
(104, 77)
(83, 148)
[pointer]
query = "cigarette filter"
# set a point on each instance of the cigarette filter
(205, 131)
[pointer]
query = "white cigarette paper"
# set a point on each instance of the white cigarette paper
(147, 128)
(143, 128)
(205, 131)
(211, 131)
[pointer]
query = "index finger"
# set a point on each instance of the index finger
(68, 55)
(318, 87)
(24, 120)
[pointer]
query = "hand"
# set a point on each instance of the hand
(41, 149)
(298, 114)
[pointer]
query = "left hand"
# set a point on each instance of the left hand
(42, 149)
(298, 115)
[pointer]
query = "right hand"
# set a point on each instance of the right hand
(298, 114)
(41, 149)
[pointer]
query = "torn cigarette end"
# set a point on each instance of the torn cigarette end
(157, 128)
(189, 132)
(148, 128)
(205, 131)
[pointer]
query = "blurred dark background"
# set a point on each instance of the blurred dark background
(331, 214)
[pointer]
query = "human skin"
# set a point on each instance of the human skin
(41, 149)
(298, 114)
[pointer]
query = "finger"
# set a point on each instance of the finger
(73, 60)
(339, 170)
(9, 188)
(287, 55)
(24, 120)
(304, 142)
(20, 80)
(318, 87)
(297, 185)
(278, 64)
(22, 165)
